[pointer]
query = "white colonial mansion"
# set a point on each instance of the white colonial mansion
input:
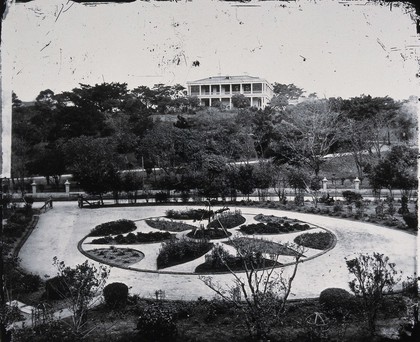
(221, 88)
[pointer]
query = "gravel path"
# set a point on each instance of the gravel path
(60, 229)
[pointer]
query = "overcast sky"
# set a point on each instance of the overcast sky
(325, 47)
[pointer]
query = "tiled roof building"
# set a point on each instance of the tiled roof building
(219, 89)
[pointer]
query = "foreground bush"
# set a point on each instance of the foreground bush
(337, 302)
(55, 288)
(116, 295)
(411, 220)
(156, 324)
(113, 228)
(320, 240)
(179, 251)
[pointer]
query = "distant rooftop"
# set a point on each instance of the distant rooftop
(228, 79)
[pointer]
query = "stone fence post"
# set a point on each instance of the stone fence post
(67, 184)
(357, 184)
(324, 184)
(33, 188)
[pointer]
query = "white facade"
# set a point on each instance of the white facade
(220, 89)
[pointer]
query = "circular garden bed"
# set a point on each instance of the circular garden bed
(170, 226)
(113, 228)
(116, 256)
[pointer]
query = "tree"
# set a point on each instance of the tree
(287, 91)
(263, 130)
(307, 134)
(265, 288)
(240, 101)
(373, 275)
(397, 170)
(378, 115)
(83, 285)
(245, 182)
(94, 163)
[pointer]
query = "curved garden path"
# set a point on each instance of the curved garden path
(59, 231)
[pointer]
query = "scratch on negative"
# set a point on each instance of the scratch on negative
(46, 45)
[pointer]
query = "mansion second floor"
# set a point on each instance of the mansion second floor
(220, 89)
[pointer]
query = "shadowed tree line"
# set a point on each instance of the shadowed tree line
(94, 132)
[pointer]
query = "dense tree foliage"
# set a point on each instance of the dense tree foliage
(96, 131)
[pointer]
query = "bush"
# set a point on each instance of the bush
(156, 324)
(113, 228)
(351, 196)
(161, 197)
(116, 295)
(29, 283)
(320, 240)
(411, 220)
(299, 200)
(12, 229)
(338, 302)
(56, 289)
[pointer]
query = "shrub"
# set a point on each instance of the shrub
(299, 200)
(12, 229)
(161, 197)
(116, 295)
(320, 240)
(156, 324)
(351, 196)
(113, 227)
(411, 220)
(30, 282)
(338, 302)
(56, 289)
(20, 217)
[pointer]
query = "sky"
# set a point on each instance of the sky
(329, 47)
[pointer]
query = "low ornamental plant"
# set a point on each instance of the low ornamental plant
(319, 240)
(113, 228)
(156, 324)
(273, 228)
(176, 252)
(170, 226)
(132, 238)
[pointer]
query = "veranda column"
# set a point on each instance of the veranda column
(33, 188)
